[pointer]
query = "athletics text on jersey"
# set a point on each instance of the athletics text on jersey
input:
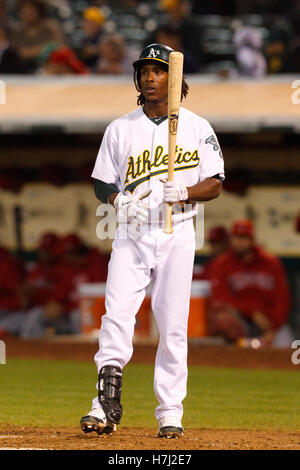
(134, 154)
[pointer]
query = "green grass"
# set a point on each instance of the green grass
(57, 393)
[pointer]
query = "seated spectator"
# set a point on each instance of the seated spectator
(63, 307)
(251, 297)
(178, 15)
(35, 30)
(172, 37)
(218, 240)
(38, 287)
(92, 27)
(12, 302)
(278, 47)
(63, 61)
(96, 265)
(115, 57)
(248, 46)
(40, 276)
(10, 61)
(58, 309)
(294, 282)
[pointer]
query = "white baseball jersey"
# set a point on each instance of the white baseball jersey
(134, 154)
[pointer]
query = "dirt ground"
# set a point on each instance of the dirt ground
(12, 437)
(145, 439)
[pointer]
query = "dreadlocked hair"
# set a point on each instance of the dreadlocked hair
(184, 92)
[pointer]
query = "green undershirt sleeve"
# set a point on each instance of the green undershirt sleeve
(104, 190)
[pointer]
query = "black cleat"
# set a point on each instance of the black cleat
(170, 432)
(90, 423)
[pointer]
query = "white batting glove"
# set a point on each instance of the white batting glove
(131, 208)
(174, 191)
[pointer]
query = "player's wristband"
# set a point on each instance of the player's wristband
(218, 177)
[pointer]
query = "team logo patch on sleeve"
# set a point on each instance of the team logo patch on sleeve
(216, 147)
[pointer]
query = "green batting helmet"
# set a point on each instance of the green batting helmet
(153, 52)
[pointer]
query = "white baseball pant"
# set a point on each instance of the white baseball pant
(168, 261)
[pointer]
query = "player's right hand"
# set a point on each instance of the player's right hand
(131, 208)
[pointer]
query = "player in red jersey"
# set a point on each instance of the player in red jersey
(251, 297)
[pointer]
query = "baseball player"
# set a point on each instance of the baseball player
(130, 174)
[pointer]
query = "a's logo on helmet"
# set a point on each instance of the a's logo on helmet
(153, 52)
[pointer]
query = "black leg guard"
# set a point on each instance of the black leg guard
(109, 392)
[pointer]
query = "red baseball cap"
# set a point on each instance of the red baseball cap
(217, 234)
(242, 227)
(65, 55)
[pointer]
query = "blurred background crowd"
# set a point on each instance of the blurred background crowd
(250, 293)
(255, 290)
(232, 37)
(40, 296)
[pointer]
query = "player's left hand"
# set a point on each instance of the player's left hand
(174, 191)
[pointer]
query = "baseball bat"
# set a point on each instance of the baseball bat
(174, 99)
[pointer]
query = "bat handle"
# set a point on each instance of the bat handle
(168, 219)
